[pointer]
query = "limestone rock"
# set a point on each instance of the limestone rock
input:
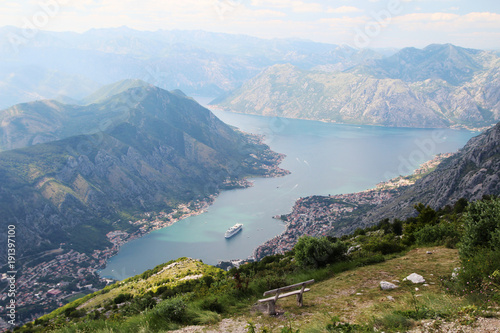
(384, 285)
(415, 278)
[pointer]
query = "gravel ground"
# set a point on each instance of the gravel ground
(481, 325)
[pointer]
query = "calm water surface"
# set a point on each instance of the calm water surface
(323, 158)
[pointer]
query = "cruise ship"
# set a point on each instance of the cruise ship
(233, 230)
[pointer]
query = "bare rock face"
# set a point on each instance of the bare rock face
(471, 174)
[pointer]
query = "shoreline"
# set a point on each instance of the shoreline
(328, 121)
(119, 238)
(318, 215)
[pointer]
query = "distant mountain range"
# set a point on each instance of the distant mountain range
(81, 171)
(66, 65)
(438, 86)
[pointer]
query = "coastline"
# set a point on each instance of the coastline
(320, 215)
(331, 121)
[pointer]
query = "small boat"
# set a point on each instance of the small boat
(233, 230)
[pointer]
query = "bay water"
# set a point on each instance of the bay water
(323, 158)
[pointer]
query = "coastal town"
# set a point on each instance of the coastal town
(58, 276)
(320, 215)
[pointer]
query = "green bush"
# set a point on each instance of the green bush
(318, 252)
(170, 310)
(437, 234)
(121, 298)
(384, 246)
(212, 304)
(481, 227)
(480, 244)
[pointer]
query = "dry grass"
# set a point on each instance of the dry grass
(355, 296)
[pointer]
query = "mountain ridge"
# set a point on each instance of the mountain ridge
(197, 62)
(458, 93)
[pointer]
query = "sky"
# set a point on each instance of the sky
(358, 23)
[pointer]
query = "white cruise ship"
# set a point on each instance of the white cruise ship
(233, 230)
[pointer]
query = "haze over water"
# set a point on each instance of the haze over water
(323, 158)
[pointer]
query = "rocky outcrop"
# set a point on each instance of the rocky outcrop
(471, 174)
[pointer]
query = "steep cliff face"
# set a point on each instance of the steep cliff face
(471, 173)
(439, 86)
(162, 150)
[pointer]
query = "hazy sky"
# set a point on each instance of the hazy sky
(372, 23)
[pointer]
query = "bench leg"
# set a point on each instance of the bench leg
(300, 300)
(271, 308)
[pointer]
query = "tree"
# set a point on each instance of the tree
(481, 227)
(480, 244)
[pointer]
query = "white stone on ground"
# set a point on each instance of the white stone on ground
(415, 278)
(384, 285)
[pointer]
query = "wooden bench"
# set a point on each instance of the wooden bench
(278, 293)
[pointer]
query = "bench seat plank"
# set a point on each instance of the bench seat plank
(274, 291)
(279, 293)
(283, 295)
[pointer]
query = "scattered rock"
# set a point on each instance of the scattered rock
(359, 294)
(390, 298)
(384, 285)
(429, 252)
(415, 278)
(353, 248)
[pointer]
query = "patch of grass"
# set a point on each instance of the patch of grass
(392, 322)
(75, 297)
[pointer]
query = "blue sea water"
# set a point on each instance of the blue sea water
(324, 159)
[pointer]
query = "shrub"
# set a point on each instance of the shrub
(481, 227)
(318, 252)
(480, 244)
(384, 246)
(121, 298)
(212, 304)
(170, 310)
(436, 234)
